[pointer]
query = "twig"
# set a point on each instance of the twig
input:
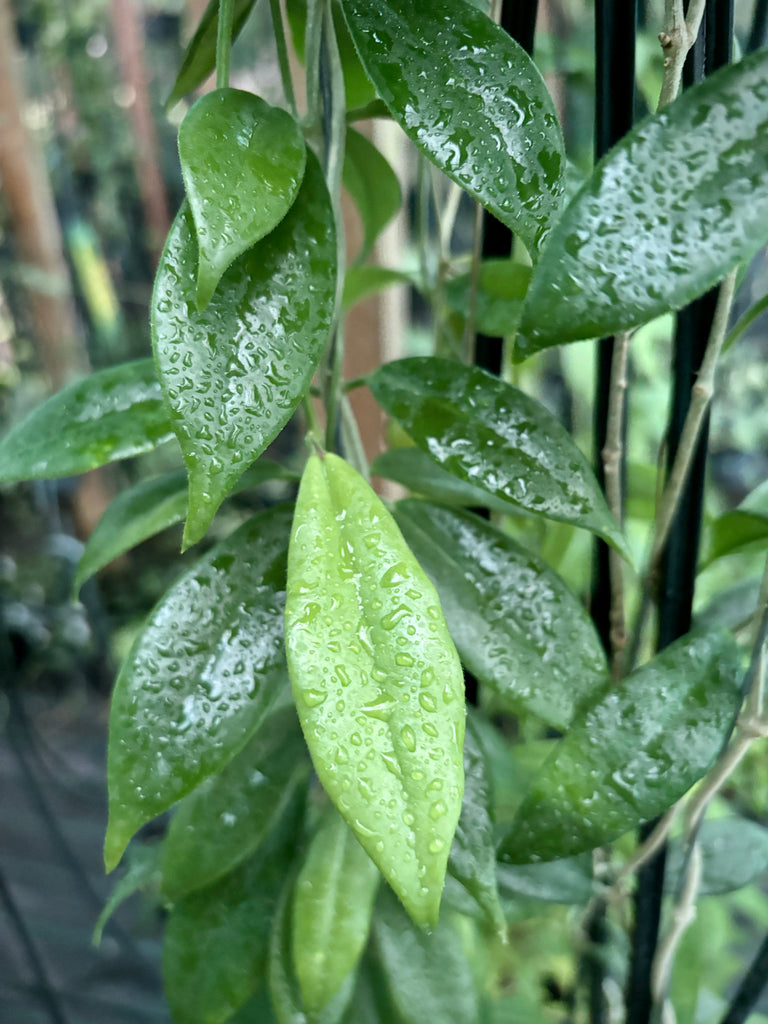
(612, 454)
(679, 35)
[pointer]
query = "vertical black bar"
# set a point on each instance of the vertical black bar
(758, 35)
(615, 36)
(615, 41)
(712, 49)
(519, 20)
(750, 989)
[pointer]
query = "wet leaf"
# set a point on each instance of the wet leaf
(233, 374)
(143, 871)
(632, 753)
(472, 859)
(149, 507)
(332, 908)
(200, 59)
(489, 434)
(472, 100)
(111, 415)
(358, 90)
(501, 290)
(427, 977)
(373, 186)
(283, 986)
(215, 944)
(515, 623)
(734, 852)
(232, 814)
(377, 681)
(669, 211)
(201, 675)
(242, 162)
(414, 469)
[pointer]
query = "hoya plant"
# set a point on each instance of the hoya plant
(389, 734)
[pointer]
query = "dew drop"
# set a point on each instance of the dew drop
(408, 737)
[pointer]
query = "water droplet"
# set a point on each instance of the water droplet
(408, 737)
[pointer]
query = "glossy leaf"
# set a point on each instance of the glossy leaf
(669, 211)
(566, 881)
(233, 374)
(734, 852)
(362, 282)
(215, 945)
(633, 752)
(427, 977)
(143, 871)
(200, 59)
(242, 162)
(283, 986)
(501, 291)
(487, 433)
(111, 415)
(358, 90)
(377, 681)
(373, 186)
(472, 100)
(414, 469)
(200, 677)
(232, 814)
(149, 507)
(515, 623)
(473, 854)
(332, 909)
(734, 531)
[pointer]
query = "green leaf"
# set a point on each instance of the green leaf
(412, 468)
(200, 677)
(149, 507)
(242, 162)
(143, 870)
(501, 290)
(515, 623)
(377, 681)
(632, 753)
(734, 852)
(200, 59)
(361, 282)
(234, 813)
(428, 977)
(358, 90)
(567, 881)
(373, 186)
(669, 211)
(332, 909)
(111, 415)
(487, 433)
(732, 607)
(216, 942)
(734, 531)
(233, 374)
(472, 100)
(472, 859)
(286, 998)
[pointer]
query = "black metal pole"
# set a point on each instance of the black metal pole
(758, 35)
(750, 989)
(678, 567)
(615, 42)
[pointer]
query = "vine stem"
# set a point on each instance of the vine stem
(224, 42)
(281, 46)
(612, 455)
(679, 35)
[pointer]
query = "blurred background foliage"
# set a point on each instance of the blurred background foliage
(91, 78)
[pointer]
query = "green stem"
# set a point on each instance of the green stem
(312, 37)
(224, 42)
(282, 55)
